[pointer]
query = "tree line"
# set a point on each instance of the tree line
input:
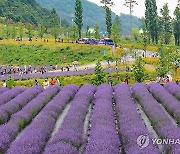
(155, 28)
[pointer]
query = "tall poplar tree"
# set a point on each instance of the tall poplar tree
(97, 31)
(107, 4)
(54, 23)
(41, 30)
(165, 25)
(29, 31)
(7, 31)
(88, 34)
(21, 26)
(115, 33)
(13, 35)
(176, 25)
(78, 16)
(117, 22)
(151, 19)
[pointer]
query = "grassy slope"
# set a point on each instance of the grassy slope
(37, 53)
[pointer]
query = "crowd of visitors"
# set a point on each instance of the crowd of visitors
(20, 70)
(47, 83)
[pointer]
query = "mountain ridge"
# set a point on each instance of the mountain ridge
(92, 13)
(24, 10)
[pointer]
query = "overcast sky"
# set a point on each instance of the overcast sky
(140, 8)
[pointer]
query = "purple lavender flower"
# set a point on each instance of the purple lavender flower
(2, 90)
(71, 131)
(103, 136)
(36, 135)
(17, 103)
(174, 89)
(19, 120)
(171, 104)
(10, 94)
(159, 119)
(130, 123)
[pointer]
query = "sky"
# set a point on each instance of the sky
(140, 8)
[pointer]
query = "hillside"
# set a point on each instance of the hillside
(24, 10)
(92, 13)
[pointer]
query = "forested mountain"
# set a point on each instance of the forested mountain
(31, 11)
(92, 13)
(24, 10)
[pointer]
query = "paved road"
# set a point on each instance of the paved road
(54, 74)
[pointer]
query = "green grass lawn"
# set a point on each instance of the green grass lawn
(49, 54)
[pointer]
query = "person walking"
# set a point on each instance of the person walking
(126, 80)
(167, 79)
(161, 81)
(110, 82)
(36, 83)
(46, 83)
(158, 78)
(4, 84)
(52, 82)
(57, 81)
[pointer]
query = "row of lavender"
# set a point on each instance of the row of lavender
(103, 135)
(55, 74)
(69, 137)
(18, 103)
(19, 120)
(36, 138)
(174, 89)
(36, 135)
(130, 123)
(171, 104)
(160, 120)
(8, 95)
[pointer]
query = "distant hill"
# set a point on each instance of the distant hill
(92, 13)
(24, 10)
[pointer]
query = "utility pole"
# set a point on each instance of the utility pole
(130, 4)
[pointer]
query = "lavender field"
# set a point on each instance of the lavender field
(90, 120)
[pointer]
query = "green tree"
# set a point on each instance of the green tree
(115, 35)
(74, 32)
(176, 59)
(136, 34)
(13, 35)
(41, 30)
(108, 21)
(107, 4)
(8, 31)
(21, 28)
(151, 19)
(88, 34)
(176, 25)
(139, 70)
(54, 22)
(108, 59)
(78, 16)
(10, 82)
(117, 22)
(165, 53)
(96, 31)
(29, 30)
(99, 77)
(165, 25)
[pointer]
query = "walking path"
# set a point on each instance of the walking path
(81, 70)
